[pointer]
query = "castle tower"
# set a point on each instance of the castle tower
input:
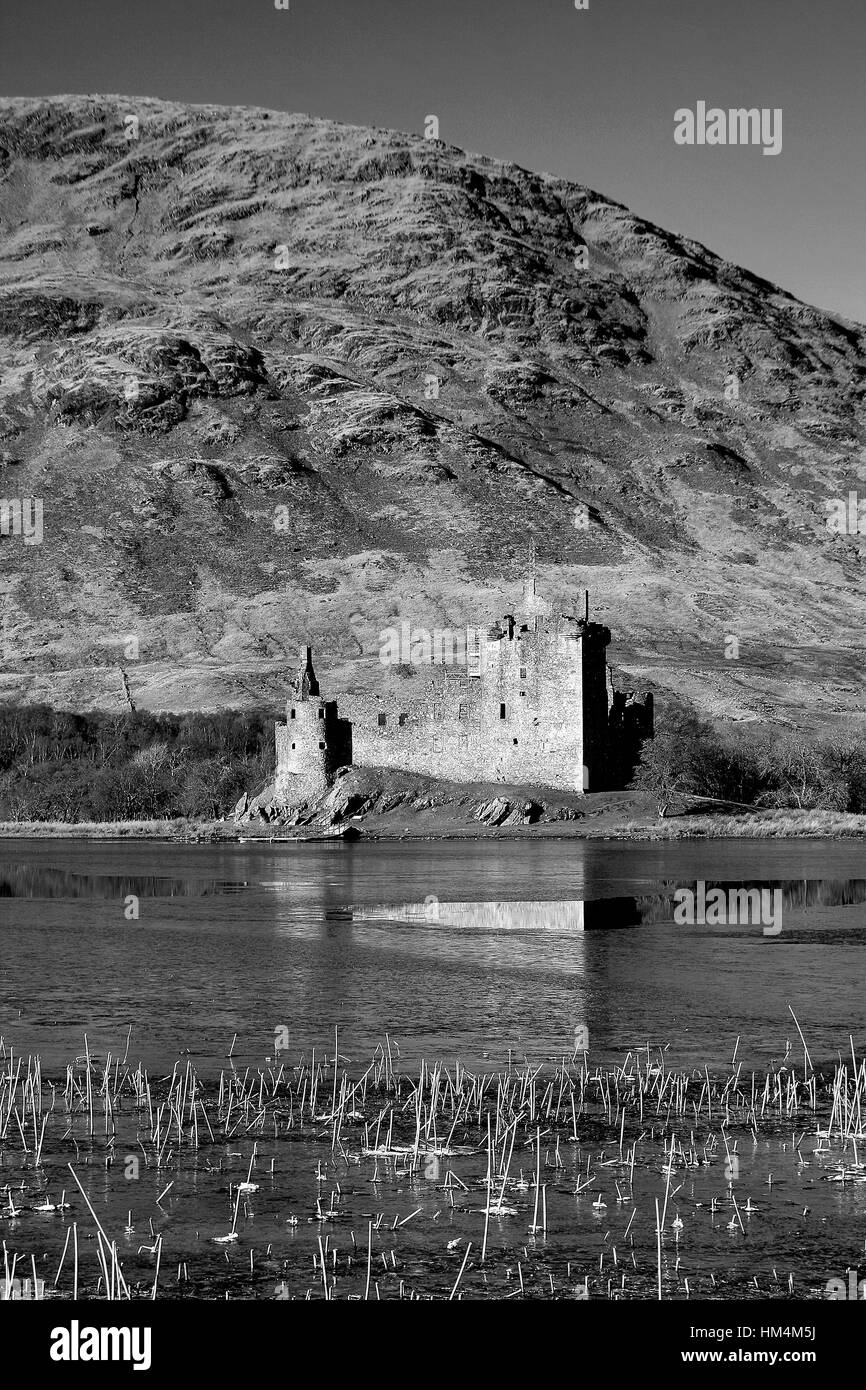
(312, 743)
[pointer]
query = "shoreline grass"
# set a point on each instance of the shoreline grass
(177, 829)
(758, 825)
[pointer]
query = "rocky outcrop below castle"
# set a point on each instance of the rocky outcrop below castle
(380, 799)
(376, 803)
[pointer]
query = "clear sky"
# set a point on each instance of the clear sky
(589, 95)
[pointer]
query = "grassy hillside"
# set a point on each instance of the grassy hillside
(277, 380)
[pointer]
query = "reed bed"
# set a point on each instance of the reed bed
(319, 1180)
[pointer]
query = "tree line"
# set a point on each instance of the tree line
(751, 765)
(132, 765)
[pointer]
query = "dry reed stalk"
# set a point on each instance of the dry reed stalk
(460, 1275)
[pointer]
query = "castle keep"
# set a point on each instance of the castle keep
(530, 701)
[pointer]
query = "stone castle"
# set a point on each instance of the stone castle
(529, 701)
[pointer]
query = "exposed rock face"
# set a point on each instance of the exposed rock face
(259, 808)
(493, 812)
(279, 380)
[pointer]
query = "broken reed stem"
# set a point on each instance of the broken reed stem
(460, 1275)
(807, 1060)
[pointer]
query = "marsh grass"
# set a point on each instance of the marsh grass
(314, 1181)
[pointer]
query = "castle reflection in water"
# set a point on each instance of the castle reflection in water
(575, 915)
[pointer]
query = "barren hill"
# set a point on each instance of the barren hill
(278, 379)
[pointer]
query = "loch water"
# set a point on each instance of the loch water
(479, 950)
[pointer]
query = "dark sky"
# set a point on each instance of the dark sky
(589, 95)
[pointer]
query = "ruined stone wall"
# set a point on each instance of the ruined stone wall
(521, 720)
(630, 723)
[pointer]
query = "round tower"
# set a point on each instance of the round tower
(310, 746)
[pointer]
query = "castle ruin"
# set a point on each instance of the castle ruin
(531, 701)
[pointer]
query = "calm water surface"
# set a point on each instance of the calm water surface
(454, 949)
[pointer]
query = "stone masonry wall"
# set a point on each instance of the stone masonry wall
(521, 720)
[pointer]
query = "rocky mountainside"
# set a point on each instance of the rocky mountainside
(280, 380)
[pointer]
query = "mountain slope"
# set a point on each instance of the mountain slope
(278, 380)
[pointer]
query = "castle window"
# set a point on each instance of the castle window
(514, 741)
(402, 719)
(321, 745)
(383, 720)
(523, 673)
(523, 694)
(461, 712)
(293, 748)
(501, 711)
(293, 714)
(474, 656)
(321, 714)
